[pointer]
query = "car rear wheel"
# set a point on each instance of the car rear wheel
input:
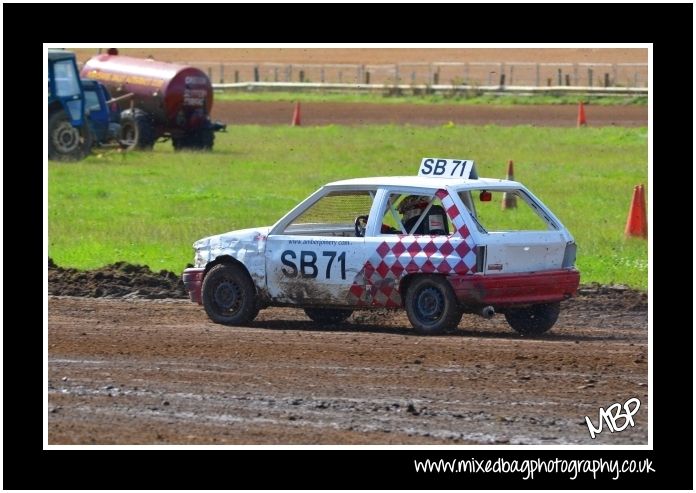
(229, 295)
(328, 315)
(533, 320)
(431, 305)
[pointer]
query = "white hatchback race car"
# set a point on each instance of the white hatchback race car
(438, 244)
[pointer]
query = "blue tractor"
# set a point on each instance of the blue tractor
(69, 135)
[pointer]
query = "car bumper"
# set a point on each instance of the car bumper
(193, 281)
(516, 289)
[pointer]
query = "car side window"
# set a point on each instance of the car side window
(335, 214)
(408, 213)
(508, 210)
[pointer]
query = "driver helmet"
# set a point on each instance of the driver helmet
(413, 206)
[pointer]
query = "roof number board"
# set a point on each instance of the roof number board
(432, 167)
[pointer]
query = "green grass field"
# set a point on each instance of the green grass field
(471, 98)
(148, 208)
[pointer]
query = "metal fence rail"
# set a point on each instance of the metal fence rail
(503, 74)
(424, 88)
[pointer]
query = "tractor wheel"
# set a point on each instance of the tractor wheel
(137, 131)
(65, 142)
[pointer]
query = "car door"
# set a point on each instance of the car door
(315, 256)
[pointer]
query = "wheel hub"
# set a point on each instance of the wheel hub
(227, 295)
(66, 138)
(430, 304)
(128, 133)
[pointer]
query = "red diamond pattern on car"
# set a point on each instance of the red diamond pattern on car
(377, 283)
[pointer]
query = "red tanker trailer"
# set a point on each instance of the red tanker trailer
(171, 101)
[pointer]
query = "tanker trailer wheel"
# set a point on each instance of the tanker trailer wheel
(65, 142)
(229, 295)
(136, 130)
(201, 140)
(533, 320)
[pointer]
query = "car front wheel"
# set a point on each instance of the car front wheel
(229, 295)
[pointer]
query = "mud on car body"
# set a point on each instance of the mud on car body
(347, 247)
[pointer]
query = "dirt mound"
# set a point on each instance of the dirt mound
(124, 280)
(119, 280)
(618, 298)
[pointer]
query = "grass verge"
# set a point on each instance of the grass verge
(149, 207)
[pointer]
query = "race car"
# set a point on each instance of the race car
(438, 245)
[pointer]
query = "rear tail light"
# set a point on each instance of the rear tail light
(480, 257)
(569, 255)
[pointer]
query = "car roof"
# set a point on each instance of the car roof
(420, 182)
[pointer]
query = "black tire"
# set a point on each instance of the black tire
(229, 295)
(65, 142)
(137, 131)
(533, 320)
(201, 140)
(431, 305)
(328, 315)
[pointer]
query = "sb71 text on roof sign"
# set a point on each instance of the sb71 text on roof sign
(445, 168)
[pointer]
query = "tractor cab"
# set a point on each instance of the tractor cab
(102, 112)
(69, 136)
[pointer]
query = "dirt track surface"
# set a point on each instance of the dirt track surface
(133, 371)
(280, 113)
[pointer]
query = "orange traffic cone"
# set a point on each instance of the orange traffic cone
(296, 115)
(509, 199)
(582, 121)
(637, 223)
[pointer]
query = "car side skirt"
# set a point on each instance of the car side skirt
(501, 290)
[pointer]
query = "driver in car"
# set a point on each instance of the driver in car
(410, 208)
